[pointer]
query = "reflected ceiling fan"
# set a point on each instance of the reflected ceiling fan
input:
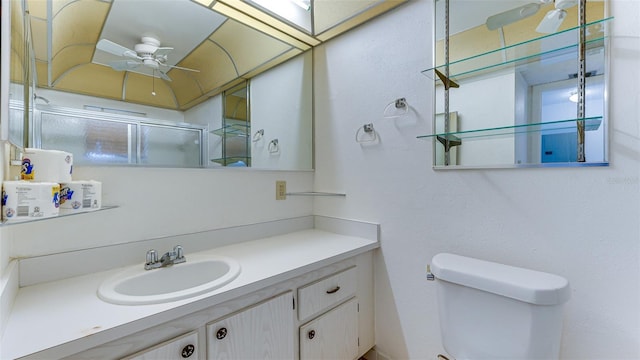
(549, 24)
(148, 54)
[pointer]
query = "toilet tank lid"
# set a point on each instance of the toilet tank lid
(526, 285)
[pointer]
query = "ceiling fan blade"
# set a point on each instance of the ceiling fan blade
(178, 67)
(115, 49)
(121, 65)
(510, 16)
(164, 76)
(162, 51)
(551, 21)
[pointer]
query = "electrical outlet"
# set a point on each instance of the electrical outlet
(281, 190)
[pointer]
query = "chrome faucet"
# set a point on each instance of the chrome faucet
(169, 258)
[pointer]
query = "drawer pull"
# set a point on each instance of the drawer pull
(311, 334)
(334, 290)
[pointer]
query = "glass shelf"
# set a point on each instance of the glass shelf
(61, 215)
(590, 124)
(227, 161)
(540, 48)
(238, 130)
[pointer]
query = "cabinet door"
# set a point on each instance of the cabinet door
(183, 347)
(264, 331)
(333, 335)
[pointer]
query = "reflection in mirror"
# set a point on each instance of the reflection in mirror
(105, 137)
(516, 67)
(115, 87)
(292, 105)
(236, 146)
(158, 72)
(21, 75)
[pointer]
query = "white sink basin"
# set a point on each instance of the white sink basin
(199, 274)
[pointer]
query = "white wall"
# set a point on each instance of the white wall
(281, 105)
(581, 223)
(209, 113)
(157, 202)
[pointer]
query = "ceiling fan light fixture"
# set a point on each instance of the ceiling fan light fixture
(573, 96)
(151, 63)
(551, 21)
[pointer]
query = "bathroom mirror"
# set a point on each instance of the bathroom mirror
(507, 83)
(157, 65)
(21, 73)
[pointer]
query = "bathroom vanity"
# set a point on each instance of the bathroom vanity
(302, 295)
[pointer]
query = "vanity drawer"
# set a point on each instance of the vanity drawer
(185, 346)
(321, 295)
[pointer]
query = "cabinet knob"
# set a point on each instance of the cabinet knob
(311, 334)
(188, 350)
(221, 334)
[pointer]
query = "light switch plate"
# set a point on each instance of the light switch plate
(281, 190)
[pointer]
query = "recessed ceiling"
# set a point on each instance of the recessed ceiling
(182, 25)
(227, 41)
(225, 51)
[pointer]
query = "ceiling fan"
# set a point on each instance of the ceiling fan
(549, 24)
(148, 54)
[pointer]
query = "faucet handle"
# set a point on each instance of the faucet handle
(179, 251)
(152, 257)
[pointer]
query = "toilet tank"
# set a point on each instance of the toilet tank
(494, 311)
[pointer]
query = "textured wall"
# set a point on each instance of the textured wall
(579, 223)
(156, 202)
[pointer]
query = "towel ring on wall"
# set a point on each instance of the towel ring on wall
(273, 146)
(366, 133)
(258, 135)
(396, 108)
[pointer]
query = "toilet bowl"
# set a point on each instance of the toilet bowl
(494, 311)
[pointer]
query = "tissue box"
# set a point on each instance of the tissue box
(22, 200)
(80, 195)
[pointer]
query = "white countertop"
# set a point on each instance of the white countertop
(60, 318)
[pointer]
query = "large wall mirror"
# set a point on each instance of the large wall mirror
(145, 82)
(520, 83)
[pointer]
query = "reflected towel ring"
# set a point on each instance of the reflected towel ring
(273, 146)
(396, 108)
(369, 131)
(258, 135)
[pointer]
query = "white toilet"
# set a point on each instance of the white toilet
(494, 311)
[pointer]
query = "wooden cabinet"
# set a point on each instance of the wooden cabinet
(264, 331)
(332, 319)
(333, 335)
(325, 293)
(182, 347)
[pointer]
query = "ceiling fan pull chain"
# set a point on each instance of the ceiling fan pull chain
(153, 82)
